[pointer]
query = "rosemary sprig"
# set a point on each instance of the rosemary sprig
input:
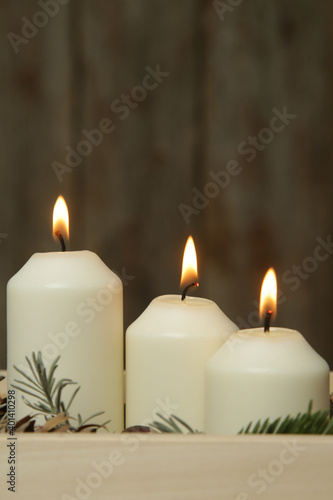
(43, 386)
(48, 394)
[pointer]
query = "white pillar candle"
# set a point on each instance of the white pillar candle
(70, 304)
(166, 351)
(258, 374)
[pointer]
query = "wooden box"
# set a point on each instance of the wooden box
(168, 467)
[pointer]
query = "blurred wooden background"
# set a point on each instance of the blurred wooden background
(229, 67)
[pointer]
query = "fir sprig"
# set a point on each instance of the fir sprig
(172, 424)
(304, 423)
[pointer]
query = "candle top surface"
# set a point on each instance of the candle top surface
(168, 315)
(175, 300)
(260, 351)
(64, 270)
(274, 332)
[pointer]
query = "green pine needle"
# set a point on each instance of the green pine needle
(170, 425)
(306, 423)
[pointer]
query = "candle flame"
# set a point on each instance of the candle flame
(268, 293)
(190, 266)
(60, 218)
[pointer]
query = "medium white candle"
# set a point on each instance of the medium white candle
(166, 351)
(70, 304)
(258, 374)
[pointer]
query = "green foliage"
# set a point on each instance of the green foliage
(304, 423)
(43, 386)
(48, 393)
(172, 424)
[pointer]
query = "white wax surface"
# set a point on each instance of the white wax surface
(166, 351)
(255, 375)
(70, 304)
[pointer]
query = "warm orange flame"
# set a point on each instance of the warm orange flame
(268, 293)
(60, 218)
(190, 266)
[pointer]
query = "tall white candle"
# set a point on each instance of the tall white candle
(258, 374)
(70, 304)
(166, 351)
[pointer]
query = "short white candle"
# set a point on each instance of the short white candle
(258, 374)
(166, 351)
(70, 304)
